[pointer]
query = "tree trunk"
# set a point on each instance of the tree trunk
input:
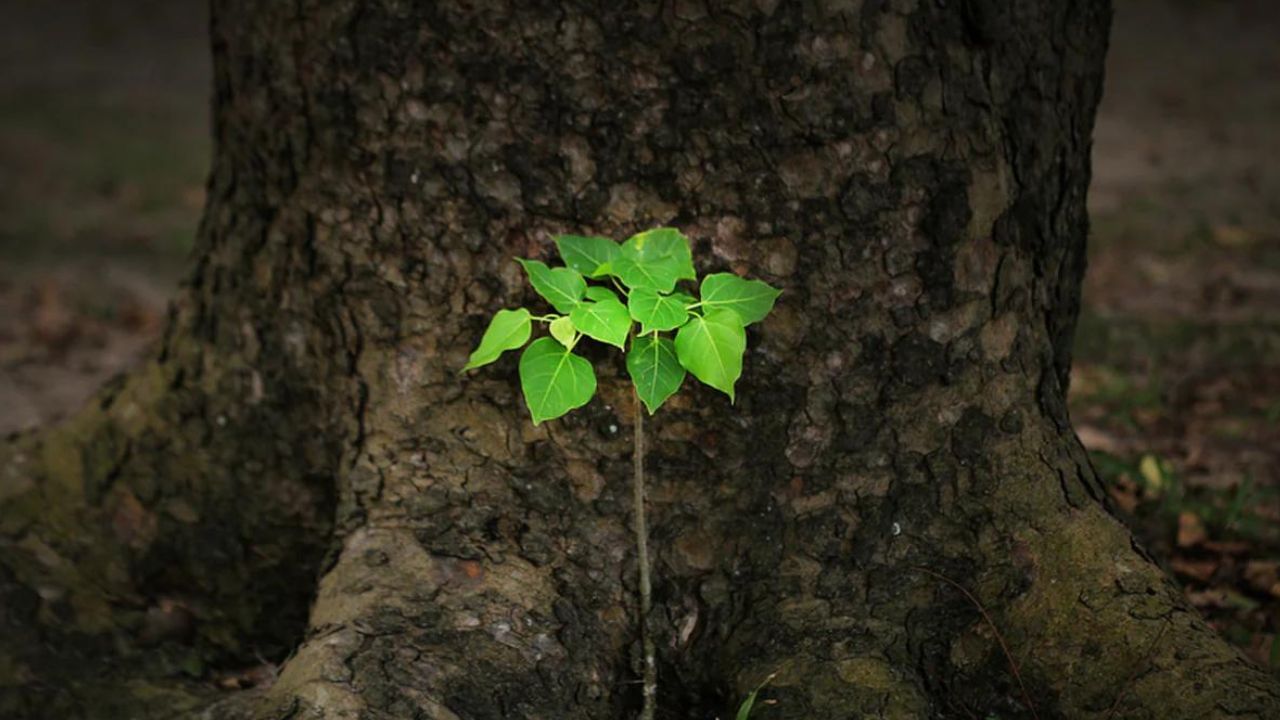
(895, 516)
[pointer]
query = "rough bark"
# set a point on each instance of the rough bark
(896, 494)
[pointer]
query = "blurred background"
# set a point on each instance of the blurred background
(1176, 390)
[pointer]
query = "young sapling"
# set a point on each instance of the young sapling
(635, 306)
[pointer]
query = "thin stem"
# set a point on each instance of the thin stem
(1013, 664)
(618, 285)
(642, 553)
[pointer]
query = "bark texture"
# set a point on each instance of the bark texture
(898, 469)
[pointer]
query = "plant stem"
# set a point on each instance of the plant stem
(642, 553)
(618, 285)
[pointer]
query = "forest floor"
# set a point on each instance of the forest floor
(104, 145)
(1176, 389)
(1176, 382)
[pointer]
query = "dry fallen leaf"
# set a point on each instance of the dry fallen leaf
(1124, 492)
(1211, 598)
(1263, 575)
(1201, 570)
(1190, 530)
(1228, 547)
(1098, 440)
(1232, 236)
(51, 323)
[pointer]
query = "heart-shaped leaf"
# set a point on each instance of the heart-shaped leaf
(660, 243)
(750, 299)
(597, 293)
(654, 369)
(554, 380)
(508, 330)
(606, 321)
(655, 311)
(655, 259)
(561, 287)
(562, 330)
(711, 348)
(587, 254)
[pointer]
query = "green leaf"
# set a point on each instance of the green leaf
(750, 299)
(744, 710)
(659, 276)
(654, 369)
(606, 321)
(561, 287)
(508, 330)
(711, 348)
(660, 243)
(587, 254)
(562, 329)
(598, 294)
(657, 312)
(655, 259)
(554, 380)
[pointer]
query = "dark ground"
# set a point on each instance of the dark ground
(1176, 392)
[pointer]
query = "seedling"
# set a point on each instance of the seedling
(635, 306)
